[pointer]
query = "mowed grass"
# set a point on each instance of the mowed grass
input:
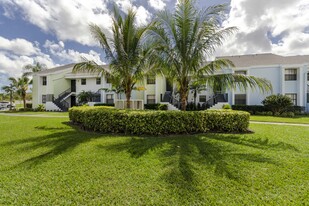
(45, 161)
(297, 119)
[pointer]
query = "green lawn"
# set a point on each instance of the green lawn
(296, 119)
(44, 161)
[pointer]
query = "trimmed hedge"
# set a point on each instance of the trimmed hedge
(109, 120)
(262, 110)
(156, 106)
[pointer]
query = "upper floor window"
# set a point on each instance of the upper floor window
(98, 81)
(83, 81)
(44, 81)
(241, 72)
(290, 74)
(108, 79)
(151, 79)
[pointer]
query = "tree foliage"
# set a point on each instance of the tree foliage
(182, 41)
(277, 103)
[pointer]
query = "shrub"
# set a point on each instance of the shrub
(40, 108)
(25, 109)
(156, 106)
(107, 120)
(226, 106)
(163, 107)
(29, 105)
(277, 103)
(252, 109)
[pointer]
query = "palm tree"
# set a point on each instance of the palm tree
(125, 51)
(21, 84)
(184, 39)
(32, 68)
(10, 89)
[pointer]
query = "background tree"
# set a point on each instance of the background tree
(183, 40)
(21, 84)
(29, 69)
(10, 89)
(125, 51)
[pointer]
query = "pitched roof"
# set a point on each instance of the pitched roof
(266, 59)
(56, 69)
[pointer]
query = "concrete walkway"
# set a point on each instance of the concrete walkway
(280, 123)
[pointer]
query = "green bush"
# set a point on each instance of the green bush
(277, 103)
(163, 107)
(104, 104)
(40, 108)
(25, 109)
(252, 109)
(226, 106)
(29, 105)
(155, 106)
(107, 120)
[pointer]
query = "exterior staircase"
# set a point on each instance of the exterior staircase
(219, 105)
(60, 101)
(170, 106)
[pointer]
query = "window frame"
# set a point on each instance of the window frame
(83, 81)
(98, 81)
(109, 100)
(151, 79)
(44, 98)
(243, 101)
(203, 96)
(151, 100)
(243, 72)
(293, 97)
(44, 80)
(290, 74)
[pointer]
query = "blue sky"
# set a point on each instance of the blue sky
(55, 32)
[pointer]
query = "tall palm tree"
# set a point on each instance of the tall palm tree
(10, 89)
(184, 39)
(21, 84)
(125, 51)
(29, 69)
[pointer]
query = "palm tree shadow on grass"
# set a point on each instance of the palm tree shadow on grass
(184, 155)
(60, 141)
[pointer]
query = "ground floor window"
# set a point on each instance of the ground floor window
(240, 99)
(151, 99)
(293, 97)
(202, 98)
(110, 99)
(43, 98)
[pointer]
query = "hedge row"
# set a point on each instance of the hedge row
(262, 110)
(109, 120)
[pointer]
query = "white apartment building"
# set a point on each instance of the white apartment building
(58, 88)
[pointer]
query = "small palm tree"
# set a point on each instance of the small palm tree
(125, 51)
(10, 89)
(184, 39)
(21, 84)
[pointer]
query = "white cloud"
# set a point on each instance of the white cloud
(68, 21)
(58, 51)
(142, 16)
(18, 46)
(157, 4)
(268, 26)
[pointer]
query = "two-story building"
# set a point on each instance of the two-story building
(58, 88)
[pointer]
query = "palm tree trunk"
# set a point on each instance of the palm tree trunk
(183, 98)
(11, 100)
(128, 97)
(24, 101)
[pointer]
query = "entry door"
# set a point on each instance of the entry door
(73, 85)
(73, 101)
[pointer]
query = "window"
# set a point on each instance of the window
(98, 81)
(308, 93)
(241, 72)
(290, 74)
(108, 79)
(83, 81)
(240, 99)
(293, 97)
(307, 76)
(44, 81)
(109, 99)
(151, 79)
(151, 99)
(202, 98)
(43, 99)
